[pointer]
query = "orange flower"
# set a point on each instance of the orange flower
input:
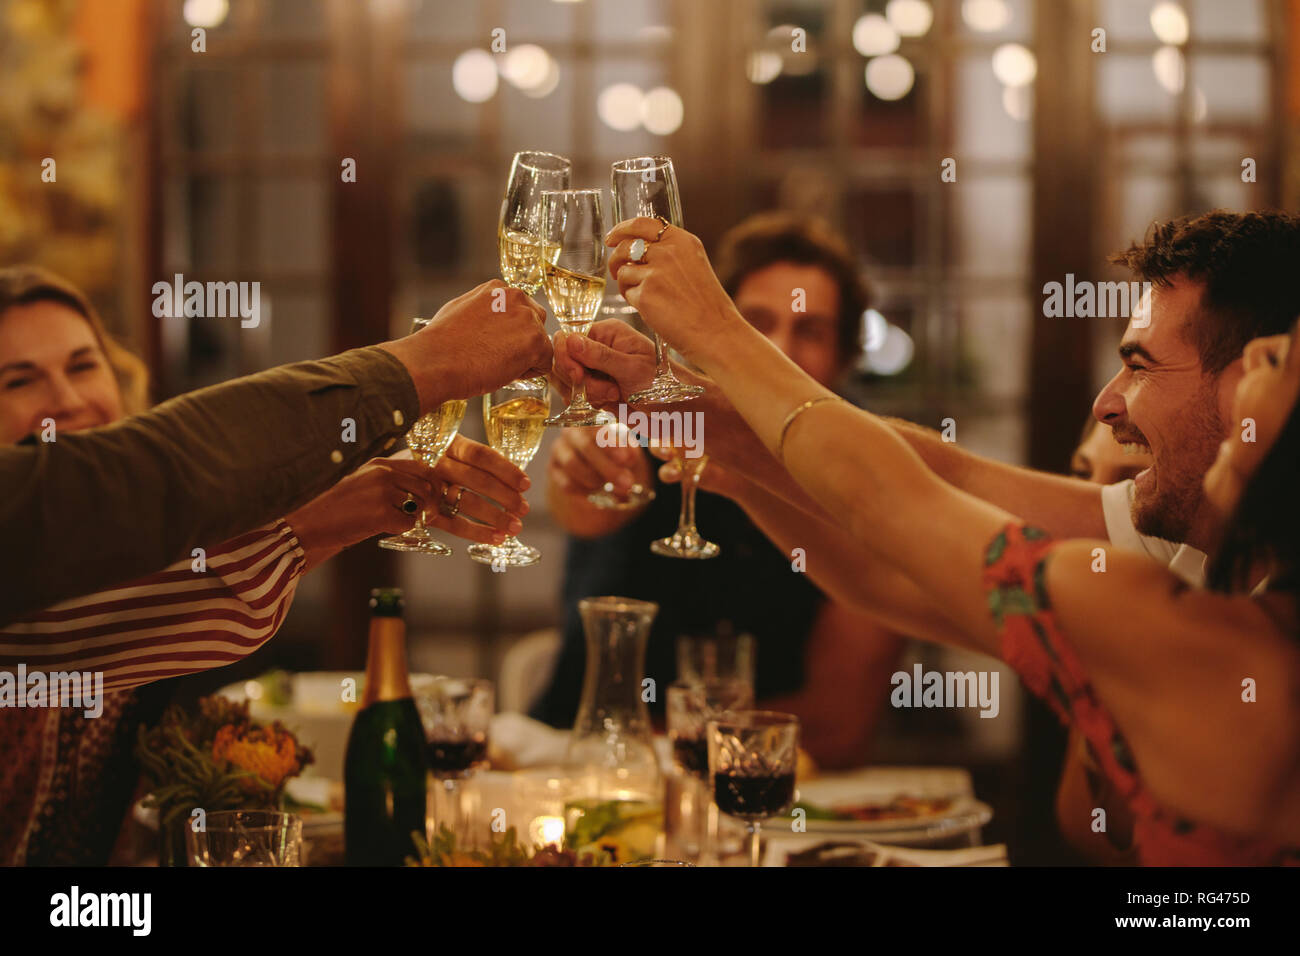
(269, 752)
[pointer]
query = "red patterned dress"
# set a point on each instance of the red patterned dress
(1032, 643)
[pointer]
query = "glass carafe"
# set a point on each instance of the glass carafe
(611, 755)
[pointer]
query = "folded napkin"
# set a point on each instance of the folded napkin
(516, 741)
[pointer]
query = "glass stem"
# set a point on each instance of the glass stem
(755, 844)
(578, 400)
(661, 358)
(687, 523)
(452, 791)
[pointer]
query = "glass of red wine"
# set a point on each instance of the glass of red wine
(691, 704)
(456, 713)
(752, 759)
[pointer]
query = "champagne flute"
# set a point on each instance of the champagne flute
(752, 759)
(520, 229)
(573, 274)
(457, 714)
(514, 417)
(519, 232)
(647, 186)
(428, 439)
(686, 541)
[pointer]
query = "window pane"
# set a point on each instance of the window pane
(294, 19)
(1127, 20)
(449, 20)
(435, 115)
(208, 116)
(792, 111)
(1228, 19)
(292, 225)
(293, 108)
(984, 128)
(300, 325)
(1235, 87)
(992, 214)
(201, 232)
(882, 224)
(1128, 92)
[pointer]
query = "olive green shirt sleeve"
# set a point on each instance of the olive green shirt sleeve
(107, 505)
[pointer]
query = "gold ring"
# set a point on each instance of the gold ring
(409, 505)
(663, 229)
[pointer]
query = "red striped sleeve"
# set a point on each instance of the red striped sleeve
(175, 622)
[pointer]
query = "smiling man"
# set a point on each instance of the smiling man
(1217, 281)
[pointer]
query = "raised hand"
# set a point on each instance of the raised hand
(371, 500)
(672, 286)
(478, 341)
(580, 464)
(613, 359)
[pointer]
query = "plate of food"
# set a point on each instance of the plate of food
(920, 805)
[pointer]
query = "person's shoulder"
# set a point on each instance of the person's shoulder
(1117, 601)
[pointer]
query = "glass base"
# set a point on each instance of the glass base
(511, 554)
(636, 498)
(664, 390)
(418, 540)
(685, 544)
(581, 418)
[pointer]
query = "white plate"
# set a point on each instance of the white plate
(882, 784)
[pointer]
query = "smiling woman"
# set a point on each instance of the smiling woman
(56, 337)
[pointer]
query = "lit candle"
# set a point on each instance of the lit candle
(547, 830)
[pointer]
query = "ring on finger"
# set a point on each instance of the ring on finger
(636, 251)
(409, 505)
(663, 228)
(451, 509)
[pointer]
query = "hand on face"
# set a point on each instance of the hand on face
(613, 359)
(491, 335)
(673, 286)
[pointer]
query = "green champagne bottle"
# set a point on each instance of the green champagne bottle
(386, 768)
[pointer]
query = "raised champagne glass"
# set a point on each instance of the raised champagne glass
(514, 417)
(573, 274)
(647, 186)
(428, 440)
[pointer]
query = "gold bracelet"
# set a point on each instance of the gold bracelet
(789, 420)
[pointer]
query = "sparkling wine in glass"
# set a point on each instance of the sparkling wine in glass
(456, 714)
(428, 440)
(686, 541)
(647, 186)
(573, 274)
(752, 760)
(514, 417)
(520, 230)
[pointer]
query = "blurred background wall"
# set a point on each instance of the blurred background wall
(225, 164)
